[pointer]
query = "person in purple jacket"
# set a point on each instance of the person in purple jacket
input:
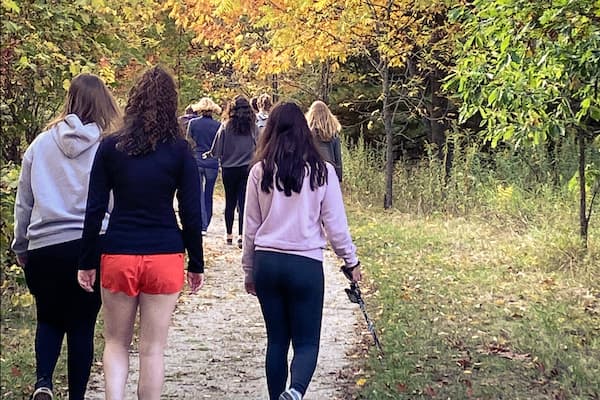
(292, 194)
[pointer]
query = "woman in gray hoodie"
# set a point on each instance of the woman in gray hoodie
(49, 214)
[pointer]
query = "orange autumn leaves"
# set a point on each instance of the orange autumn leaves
(274, 36)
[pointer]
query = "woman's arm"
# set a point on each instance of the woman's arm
(97, 206)
(335, 222)
(188, 196)
(216, 150)
(252, 221)
(23, 206)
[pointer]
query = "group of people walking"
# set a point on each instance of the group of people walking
(96, 196)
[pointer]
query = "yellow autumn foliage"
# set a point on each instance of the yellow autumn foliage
(284, 34)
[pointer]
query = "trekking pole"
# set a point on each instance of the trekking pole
(355, 296)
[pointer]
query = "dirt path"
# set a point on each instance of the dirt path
(217, 338)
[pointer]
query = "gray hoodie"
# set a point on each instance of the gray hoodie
(53, 185)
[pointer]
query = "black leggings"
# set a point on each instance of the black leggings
(290, 290)
(234, 182)
(62, 308)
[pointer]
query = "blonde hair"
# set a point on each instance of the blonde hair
(206, 104)
(322, 123)
(89, 99)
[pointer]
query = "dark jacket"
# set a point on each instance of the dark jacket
(143, 219)
(203, 130)
(234, 150)
(332, 152)
(185, 119)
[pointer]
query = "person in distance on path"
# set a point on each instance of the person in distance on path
(234, 147)
(264, 103)
(203, 131)
(326, 129)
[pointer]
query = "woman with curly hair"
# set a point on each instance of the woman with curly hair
(293, 204)
(234, 147)
(144, 164)
(326, 128)
(49, 213)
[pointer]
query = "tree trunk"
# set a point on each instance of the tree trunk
(583, 220)
(324, 84)
(436, 113)
(552, 151)
(178, 62)
(389, 136)
(275, 88)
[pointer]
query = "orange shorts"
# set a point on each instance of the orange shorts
(135, 274)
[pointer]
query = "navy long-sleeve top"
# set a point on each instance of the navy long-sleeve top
(203, 130)
(143, 219)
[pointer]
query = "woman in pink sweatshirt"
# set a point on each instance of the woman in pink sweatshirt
(292, 194)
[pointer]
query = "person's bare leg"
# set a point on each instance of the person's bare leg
(155, 316)
(119, 312)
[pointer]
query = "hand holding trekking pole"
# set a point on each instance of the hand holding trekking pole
(354, 295)
(352, 273)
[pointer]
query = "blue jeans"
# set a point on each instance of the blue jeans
(208, 178)
(290, 291)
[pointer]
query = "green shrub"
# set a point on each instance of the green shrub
(15, 296)
(8, 190)
(363, 173)
(477, 278)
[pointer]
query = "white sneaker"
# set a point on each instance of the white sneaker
(42, 393)
(290, 394)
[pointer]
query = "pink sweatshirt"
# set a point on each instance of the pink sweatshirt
(294, 225)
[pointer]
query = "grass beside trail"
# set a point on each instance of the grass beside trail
(17, 361)
(478, 308)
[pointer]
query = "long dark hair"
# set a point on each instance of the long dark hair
(241, 120)
(150, 115)
(287, 147)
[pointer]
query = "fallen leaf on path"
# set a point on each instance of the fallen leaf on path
(429, 391)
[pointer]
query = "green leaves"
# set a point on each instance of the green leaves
(11, 6)
(504, 44)
(545, 61)
(544, 58)
(44, 44)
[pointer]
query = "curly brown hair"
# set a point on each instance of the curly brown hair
(151, 114)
